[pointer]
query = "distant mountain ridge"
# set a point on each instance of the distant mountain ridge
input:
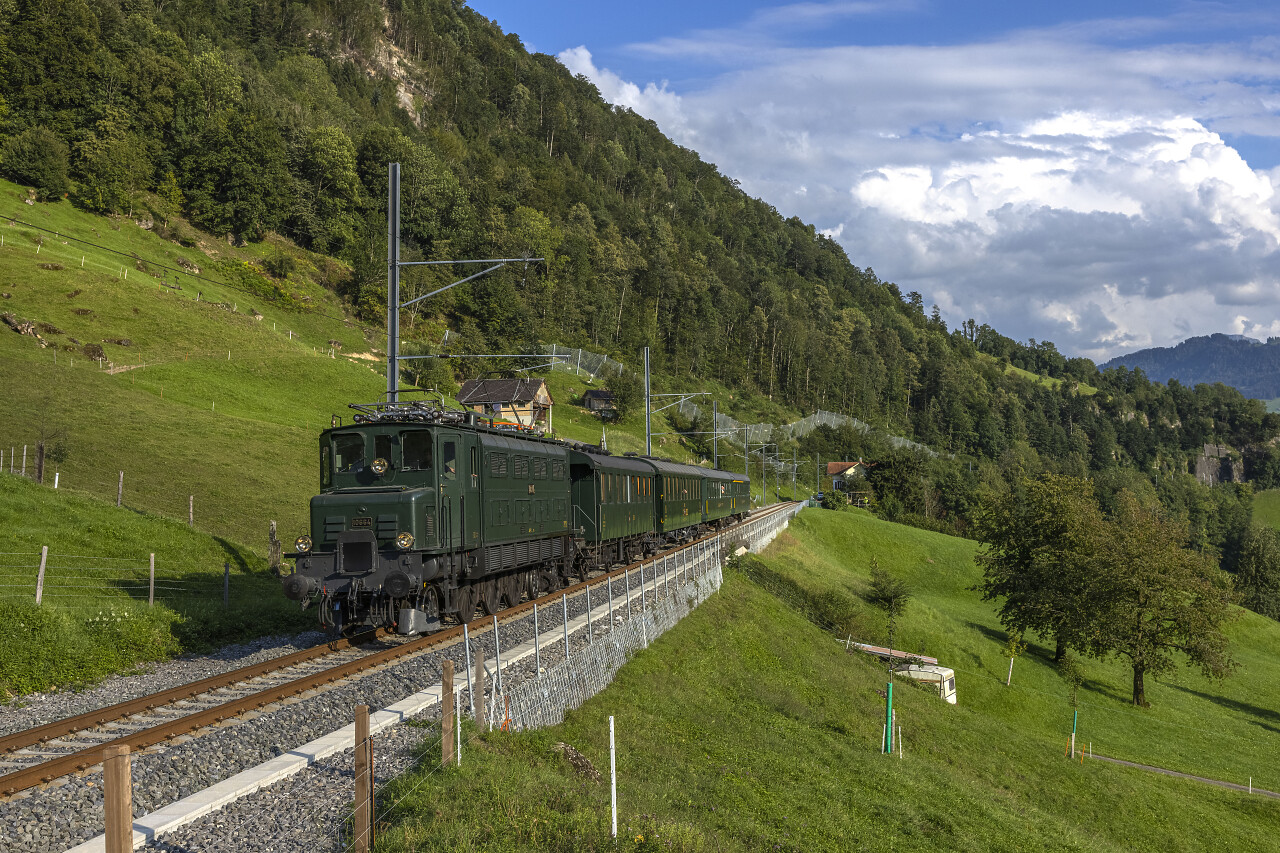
(1250, 366)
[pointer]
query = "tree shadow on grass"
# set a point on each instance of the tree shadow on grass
(1264, 717)
(999, 636)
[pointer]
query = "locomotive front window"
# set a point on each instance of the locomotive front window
(348, 452)
(416, 447)
(326, 465)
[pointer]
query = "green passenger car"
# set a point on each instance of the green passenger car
(613, 500)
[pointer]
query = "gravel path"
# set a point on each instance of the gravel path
(302, 813)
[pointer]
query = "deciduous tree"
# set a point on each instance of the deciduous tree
(1162, 600)
(1044, 543)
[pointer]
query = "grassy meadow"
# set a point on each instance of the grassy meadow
(747, 727)
(94, 619)
(1266, 507)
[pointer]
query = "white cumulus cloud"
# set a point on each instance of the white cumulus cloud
(1050, 183)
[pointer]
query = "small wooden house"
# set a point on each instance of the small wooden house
(599, 401)
(523, 401)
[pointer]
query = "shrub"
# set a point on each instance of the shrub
(38, 158)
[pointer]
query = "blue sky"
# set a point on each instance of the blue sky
(1102, 175)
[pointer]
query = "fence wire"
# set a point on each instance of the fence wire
(580, 362)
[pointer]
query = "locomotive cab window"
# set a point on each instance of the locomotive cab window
(416, 450)
(449, 460)
(326, 465)
(348, 452)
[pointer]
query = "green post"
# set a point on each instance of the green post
(1075, 718)
(888, 719)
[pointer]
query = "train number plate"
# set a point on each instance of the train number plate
(362, 522)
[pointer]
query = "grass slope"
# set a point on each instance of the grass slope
(94, 619)
(1266, 507)
(226, 407)
(748, 728)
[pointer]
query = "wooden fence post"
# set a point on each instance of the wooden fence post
(151, 589)
(446, 715)
(120, 490)
(117, 794)
(273, 550)
(44, 558)
(191, 511)
(363, 828)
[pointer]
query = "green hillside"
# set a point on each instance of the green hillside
(94, 619)
(746, 727)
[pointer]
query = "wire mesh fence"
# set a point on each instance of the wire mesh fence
(580, 362)
(543, 701)
(43, 575)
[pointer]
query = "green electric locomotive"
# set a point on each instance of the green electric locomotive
(427, 512)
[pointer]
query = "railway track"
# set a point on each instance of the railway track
(41, 755)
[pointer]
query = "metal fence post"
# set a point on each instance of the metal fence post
(44, 559)
(446, 714)
(151, 589)
(466, 643)
(537, 643)
(608, 582)
(564, 604)
(590, 638)
(497, 655)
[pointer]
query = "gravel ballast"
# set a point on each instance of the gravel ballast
(63, 815)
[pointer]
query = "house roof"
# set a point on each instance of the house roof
(598, 394)
(503, 391)
(834, 468)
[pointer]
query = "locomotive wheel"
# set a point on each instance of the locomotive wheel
(466, 597)
(512, 588)
(430, 603)
(541, 583)
(490, 596)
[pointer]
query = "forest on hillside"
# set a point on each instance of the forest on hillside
(1250, 366)
(248, 117)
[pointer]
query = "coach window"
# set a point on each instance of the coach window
(415, 448)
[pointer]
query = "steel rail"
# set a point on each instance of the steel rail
(101, 716)
(54, 768)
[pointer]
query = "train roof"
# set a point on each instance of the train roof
(435, 413)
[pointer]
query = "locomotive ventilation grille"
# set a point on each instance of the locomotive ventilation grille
(499, 557)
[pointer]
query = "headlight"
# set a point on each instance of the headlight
(379, 466)
(302, 544)
(404, 541)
